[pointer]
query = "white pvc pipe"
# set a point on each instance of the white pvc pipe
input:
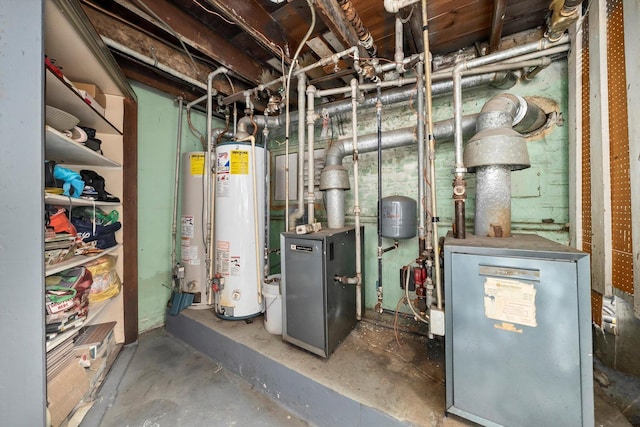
(356, 207)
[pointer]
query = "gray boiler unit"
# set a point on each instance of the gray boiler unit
(317, 311)
(518, 332)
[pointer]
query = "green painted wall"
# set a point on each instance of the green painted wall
(157, 132)
(540, 193)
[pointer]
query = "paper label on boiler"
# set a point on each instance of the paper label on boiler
(510, 301)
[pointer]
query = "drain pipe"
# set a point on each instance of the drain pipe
(299, 213)
(459, 184)
(378, 306)
(356, 207)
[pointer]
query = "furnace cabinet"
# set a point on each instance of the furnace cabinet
(317, 311)
(518, 332)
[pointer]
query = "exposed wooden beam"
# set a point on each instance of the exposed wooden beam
(146, 45)
(199, 37)
(332, 15)
(253, 19)
(497, 19)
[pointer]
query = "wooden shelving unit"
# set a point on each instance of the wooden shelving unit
(74, 47)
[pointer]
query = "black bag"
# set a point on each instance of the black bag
(95, 186)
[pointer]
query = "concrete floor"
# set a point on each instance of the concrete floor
(166, 383)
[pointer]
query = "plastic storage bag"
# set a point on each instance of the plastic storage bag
(106, 282)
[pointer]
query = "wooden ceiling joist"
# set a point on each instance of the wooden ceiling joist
(251, 17)
(199, 37)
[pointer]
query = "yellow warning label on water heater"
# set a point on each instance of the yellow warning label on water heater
(197, 164)
(239, 162)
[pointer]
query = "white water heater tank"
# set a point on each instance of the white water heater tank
(239, 229)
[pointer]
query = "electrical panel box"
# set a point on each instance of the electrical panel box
(318, 312)
(518, 332)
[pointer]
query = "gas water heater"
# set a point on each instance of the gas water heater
(193, 230)
(239, 229)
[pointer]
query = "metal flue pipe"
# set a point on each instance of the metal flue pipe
(459, 184)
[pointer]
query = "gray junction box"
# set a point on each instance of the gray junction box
(318, 312)
(518, 332)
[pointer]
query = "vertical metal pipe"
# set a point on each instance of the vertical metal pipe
(379, 125)
(267, 206)
(299, 212)
(176, 184)
(210, 187)
(311, 197)
(356, 207)
(421, 164)
(432, 150)
(398, 56)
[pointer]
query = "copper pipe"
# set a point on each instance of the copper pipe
(366, 39)
(499, 9)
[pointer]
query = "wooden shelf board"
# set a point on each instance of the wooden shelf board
(60, 148)
(60, 95)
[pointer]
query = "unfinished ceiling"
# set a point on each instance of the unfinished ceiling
(254, 38)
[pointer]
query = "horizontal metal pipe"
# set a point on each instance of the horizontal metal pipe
(442, 131)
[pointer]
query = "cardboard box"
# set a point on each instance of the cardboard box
(93, 91)
(65, 390)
